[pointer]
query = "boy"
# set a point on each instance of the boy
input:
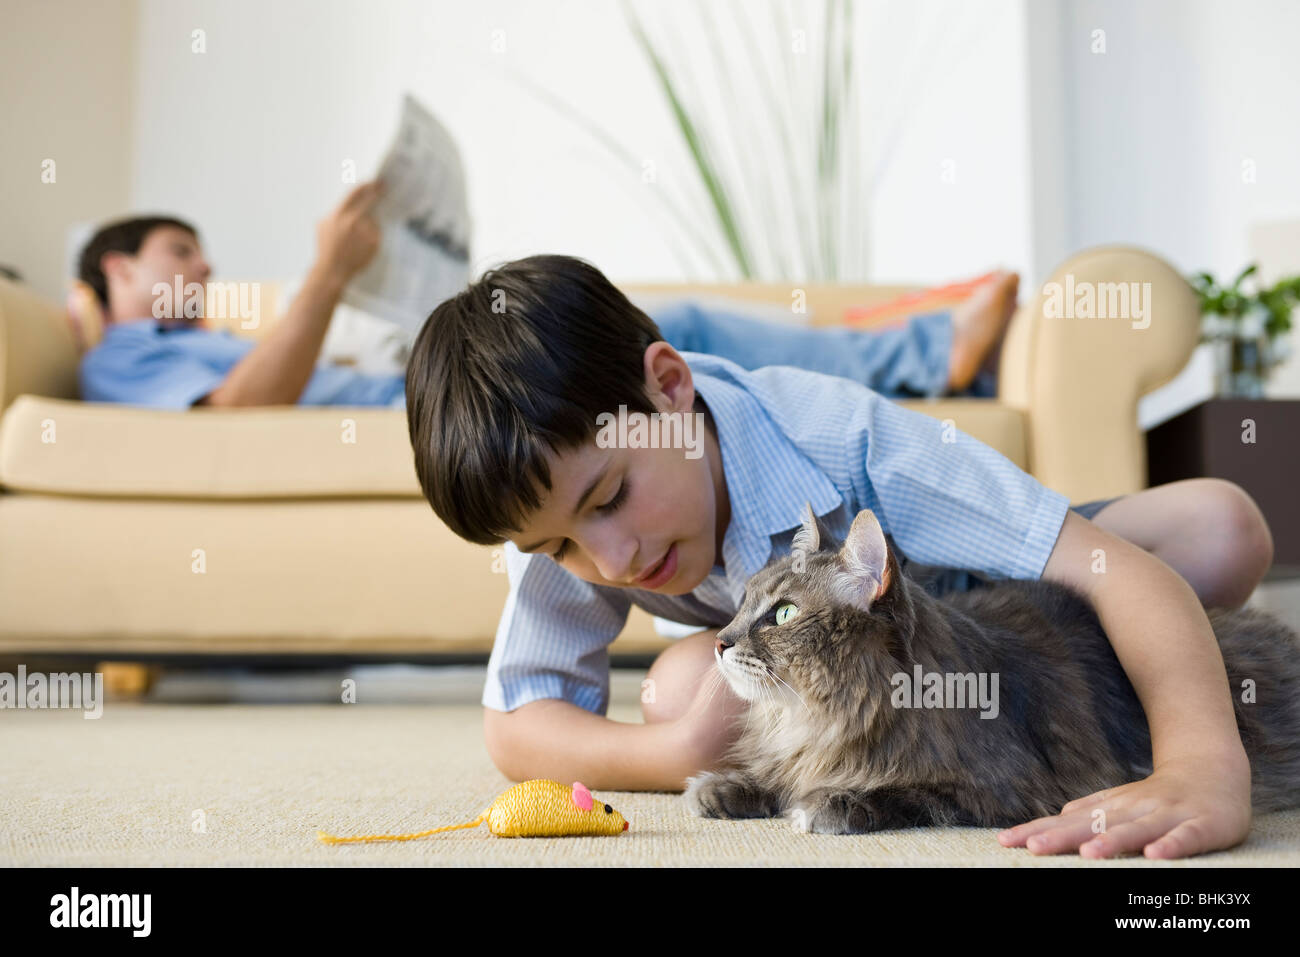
(507, 387)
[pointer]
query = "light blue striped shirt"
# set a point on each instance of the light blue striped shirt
(171, 365)
(787, 436)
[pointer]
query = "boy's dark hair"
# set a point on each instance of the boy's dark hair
(123, 236)
(521, 361)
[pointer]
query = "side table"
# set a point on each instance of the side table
(1252, 442)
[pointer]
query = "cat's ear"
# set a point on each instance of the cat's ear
(808, 539)
(864, 556)
(812, 536)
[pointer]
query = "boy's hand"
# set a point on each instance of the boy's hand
(1187, 806)
(348, 238)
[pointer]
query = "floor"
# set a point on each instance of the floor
(1280, 598)
(174, 781)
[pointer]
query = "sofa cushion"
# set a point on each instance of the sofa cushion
(57, 446)
(367, 576)
(91, 448)
(1000, 426)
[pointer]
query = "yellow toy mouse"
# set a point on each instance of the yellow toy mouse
(530, 809)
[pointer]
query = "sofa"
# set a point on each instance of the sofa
(134, 532)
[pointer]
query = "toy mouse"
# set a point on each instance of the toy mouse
(536, 808)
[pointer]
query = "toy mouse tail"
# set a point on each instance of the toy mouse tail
(367, 838)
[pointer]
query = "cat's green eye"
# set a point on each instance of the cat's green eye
(785, 612)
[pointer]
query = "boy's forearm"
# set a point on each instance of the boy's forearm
(278, 369)
(554, 739)
(1164, 641)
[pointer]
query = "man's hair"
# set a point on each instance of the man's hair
(123, 236)
(521, 361)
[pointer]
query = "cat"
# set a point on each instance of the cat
(827, 648)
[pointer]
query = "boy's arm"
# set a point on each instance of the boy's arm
(277, 371)
(547, 688)
(551, 738)
(1198, 797)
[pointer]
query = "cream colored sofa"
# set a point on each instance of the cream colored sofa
(131, 531)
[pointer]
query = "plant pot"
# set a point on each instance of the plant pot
(1242, 355)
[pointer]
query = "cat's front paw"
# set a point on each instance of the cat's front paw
(834, 812)
(728, 795)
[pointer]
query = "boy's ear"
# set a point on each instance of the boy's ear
(668, 375)
(115, 263)
(866, 572)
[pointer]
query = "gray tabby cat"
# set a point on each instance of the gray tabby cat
(828, 646)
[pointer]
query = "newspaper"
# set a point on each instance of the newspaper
(423, 215)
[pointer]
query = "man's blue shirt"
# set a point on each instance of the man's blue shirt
(787, 436)
(173, 365)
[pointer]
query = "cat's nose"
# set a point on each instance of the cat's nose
(722, 644)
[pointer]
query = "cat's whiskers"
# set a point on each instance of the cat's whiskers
(793, 692)
(769, 688)
(763, 695)
(754, 688)
(717, 679)
(749, 713)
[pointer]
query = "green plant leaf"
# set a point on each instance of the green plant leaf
(718, 195)
(755, 167)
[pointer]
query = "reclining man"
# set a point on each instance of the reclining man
(177, 363)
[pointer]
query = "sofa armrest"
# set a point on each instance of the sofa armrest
(37, 352)
(1078, 378)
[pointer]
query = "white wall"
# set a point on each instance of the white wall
(960, 73)
(1162, 122)
(248, 138)
(1166, 128)
(1051, 147)
(65, 97)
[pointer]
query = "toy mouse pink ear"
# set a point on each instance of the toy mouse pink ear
(581, 796)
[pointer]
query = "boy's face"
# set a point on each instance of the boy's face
(167, 252)
(651, 518)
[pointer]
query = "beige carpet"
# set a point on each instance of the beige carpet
(128, 789)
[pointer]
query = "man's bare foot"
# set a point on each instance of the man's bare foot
(978, 325)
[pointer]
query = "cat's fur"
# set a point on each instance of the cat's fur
(824, 744)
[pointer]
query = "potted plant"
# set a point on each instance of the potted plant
(1246, 328)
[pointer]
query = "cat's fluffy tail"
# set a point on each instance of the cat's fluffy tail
(1262, 658)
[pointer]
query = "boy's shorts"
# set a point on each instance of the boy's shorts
(939, 581)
